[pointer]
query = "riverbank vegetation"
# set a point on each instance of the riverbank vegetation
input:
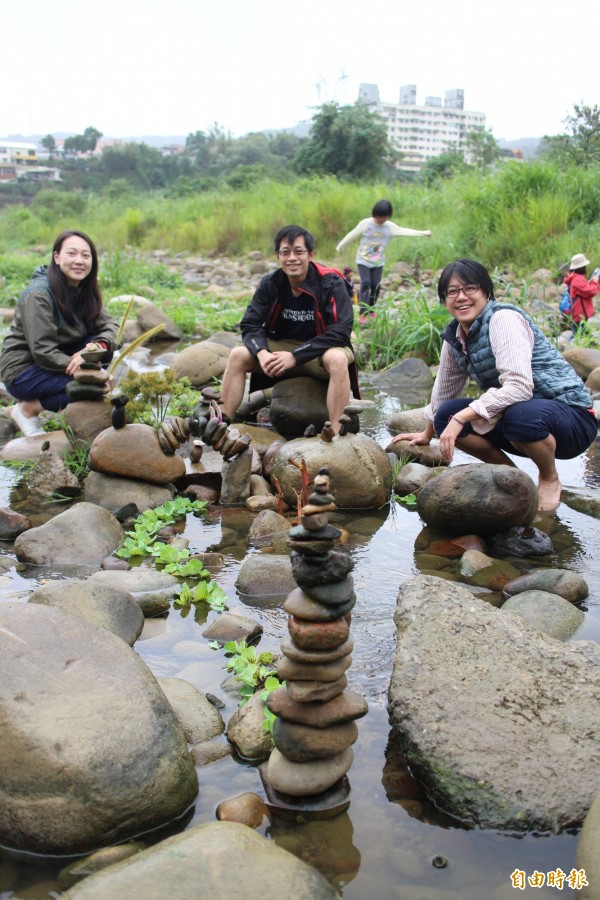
(520, 215)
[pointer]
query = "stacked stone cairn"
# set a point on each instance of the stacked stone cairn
(207, 424)
(305, 776)
(89, 379)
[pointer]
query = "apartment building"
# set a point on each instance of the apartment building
(21, 162)
(422, 132)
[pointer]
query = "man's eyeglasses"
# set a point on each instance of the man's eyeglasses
(468, 289)
(296, 251)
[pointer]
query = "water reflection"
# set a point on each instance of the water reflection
(328, 845)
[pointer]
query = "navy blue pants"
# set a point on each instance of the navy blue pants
(36, 383)
(572, 427)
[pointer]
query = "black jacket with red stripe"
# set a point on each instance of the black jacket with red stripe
(334, 315)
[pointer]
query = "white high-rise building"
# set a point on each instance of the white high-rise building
(422, 132)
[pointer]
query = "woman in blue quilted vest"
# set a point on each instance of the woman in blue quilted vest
(533, 403)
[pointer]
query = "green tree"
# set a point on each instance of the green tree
(49, 143)
(82, 143)
(481, 148)
(209, 150)
(142, 166)
(348, 141)
(581, 143)
(443, 166)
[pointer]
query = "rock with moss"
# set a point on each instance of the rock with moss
(498, 720)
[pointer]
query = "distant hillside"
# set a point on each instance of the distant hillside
(528, 146)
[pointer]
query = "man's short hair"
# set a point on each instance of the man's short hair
(289, 233)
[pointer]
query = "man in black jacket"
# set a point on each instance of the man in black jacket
(298, 323)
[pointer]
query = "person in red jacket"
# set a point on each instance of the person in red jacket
(581, 291)
(298, 323)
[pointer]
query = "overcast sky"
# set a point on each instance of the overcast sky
(142, 67)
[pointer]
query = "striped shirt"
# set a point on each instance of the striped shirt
(511, 340)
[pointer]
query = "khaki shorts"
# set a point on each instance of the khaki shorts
(313, 368)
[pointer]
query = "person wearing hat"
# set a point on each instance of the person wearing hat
(581, 291)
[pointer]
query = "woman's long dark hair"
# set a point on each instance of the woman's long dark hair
(90, 298)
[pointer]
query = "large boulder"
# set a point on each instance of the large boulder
(217, 859)
(583, 359)
(263, 575)
(134, 452)
(361, 475)
(485, 706)
(410, 380)
(81, 536)
(406, 420)
(90, 751)
(110, 608)
(149, 316)
(111, 492)
(201, 362)
(297, 403)
(489, 498)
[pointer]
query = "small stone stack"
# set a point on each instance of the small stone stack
(315, 729)
(89, 379)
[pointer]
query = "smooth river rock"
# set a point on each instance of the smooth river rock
(222, 860)
(134, 452)
(489, 498)
(110, 608)
(90, 751)
(82, 535)
(301, 779)
(361, 475)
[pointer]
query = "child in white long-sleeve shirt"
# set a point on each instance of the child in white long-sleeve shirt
(375, 233)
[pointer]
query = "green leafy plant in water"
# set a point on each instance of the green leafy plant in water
(141, 540)
(138, 543)
(167, 554)
(250, 667)
(204, 592)
(272, 683)
(409, 500)
(193, 568)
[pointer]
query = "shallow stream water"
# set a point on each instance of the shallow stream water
(383, 847)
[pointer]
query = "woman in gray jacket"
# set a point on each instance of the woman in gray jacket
(57, 316)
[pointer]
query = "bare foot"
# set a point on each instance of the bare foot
(549, 495)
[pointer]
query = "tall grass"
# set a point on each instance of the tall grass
(403, 324)
(521, 215)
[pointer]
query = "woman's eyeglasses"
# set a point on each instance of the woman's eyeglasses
(468, 289)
